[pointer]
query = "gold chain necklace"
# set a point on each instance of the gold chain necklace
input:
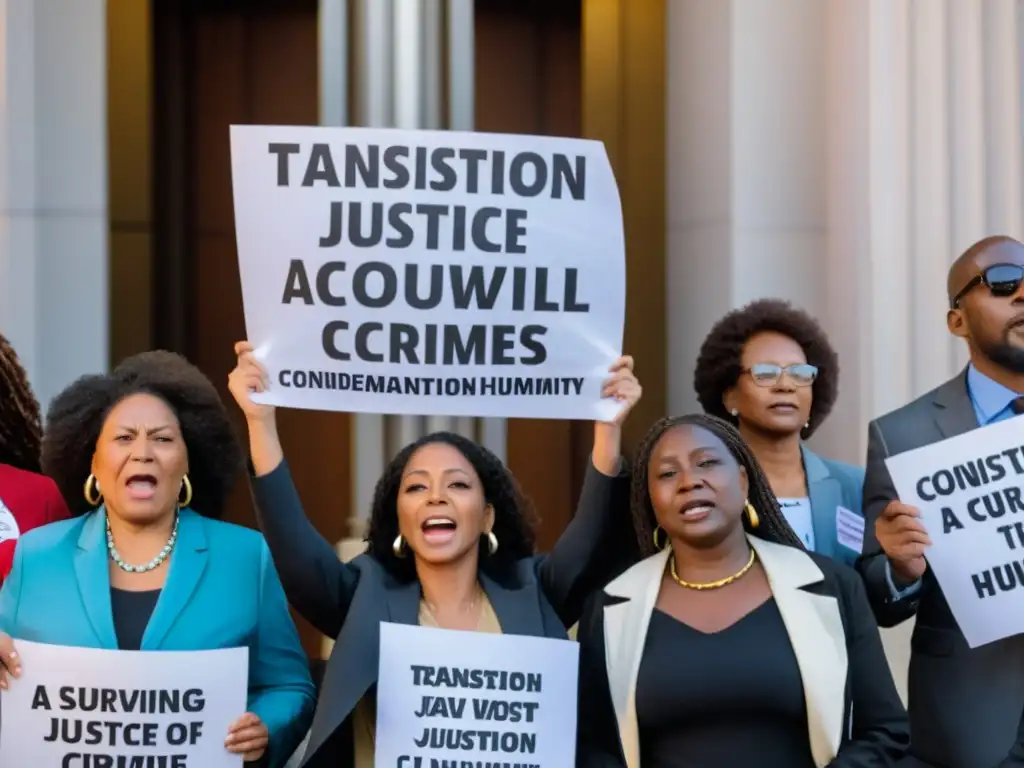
(710, 584)
(472, 608)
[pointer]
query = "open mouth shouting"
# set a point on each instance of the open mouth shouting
(438, 530)
(696, 510)
(141, 487)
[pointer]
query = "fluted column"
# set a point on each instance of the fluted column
(840, 155)
(53, 188)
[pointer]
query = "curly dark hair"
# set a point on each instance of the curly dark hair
(772, 525)
(718, 364)
(76, 417)
(514, 517)
(21, 429)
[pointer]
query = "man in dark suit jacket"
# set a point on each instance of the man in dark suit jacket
(965, 705)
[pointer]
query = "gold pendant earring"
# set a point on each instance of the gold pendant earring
(91, 491)
(752, 515)
(186, 487)
(398, 547)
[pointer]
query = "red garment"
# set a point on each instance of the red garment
(33, 500)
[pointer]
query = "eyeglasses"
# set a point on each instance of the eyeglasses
(768, 374)
(1002, 280)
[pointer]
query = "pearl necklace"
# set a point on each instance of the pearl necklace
(153, 564)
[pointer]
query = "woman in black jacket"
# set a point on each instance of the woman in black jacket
(450, 545)
(730, 645)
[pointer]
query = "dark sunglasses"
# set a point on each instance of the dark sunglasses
(1002, 280)
(768, 374)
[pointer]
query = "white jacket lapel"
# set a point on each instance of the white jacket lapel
(812, 621)
(625, 630)
(816, 633)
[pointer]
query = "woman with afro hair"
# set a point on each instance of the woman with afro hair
(145, 458)
(450, 545)
(27, 498)
(769, 369)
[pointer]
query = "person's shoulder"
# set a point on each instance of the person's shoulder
(842, 470)
(237, 538)
(25, 480)
(843, 577)
(898, 417)
(50, 538)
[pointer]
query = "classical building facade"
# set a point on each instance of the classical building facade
(835, 154)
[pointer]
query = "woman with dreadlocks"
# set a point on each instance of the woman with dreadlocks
(730, 644)
(27, 498)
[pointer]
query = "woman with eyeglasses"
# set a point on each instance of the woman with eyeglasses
(769, 369)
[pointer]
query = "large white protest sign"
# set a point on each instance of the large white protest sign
(448, 698)
(430, 272)
(969, 491)
(89, 708)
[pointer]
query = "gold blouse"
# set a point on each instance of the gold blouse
(364, 719)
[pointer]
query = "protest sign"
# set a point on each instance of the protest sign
(969, 492)
(430, 272)
(453, 699)
(89, 708)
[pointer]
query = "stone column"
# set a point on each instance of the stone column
(53, 188)
(839, 155)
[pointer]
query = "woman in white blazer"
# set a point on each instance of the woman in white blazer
(729, 645)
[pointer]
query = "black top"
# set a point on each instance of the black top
(131, 615)
(874, 730)
(721, 700)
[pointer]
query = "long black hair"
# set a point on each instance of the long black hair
(772, 523)
(21, 429)
(514, 517)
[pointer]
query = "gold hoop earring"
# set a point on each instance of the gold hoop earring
(187, 485)
(91, 491)
(657, 544)
(492, 542)
(752, 515)
(398, 546)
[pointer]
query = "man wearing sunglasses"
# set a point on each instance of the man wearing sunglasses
(966, 705)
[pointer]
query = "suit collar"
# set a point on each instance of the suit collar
(815, 467)
(954, 411)
(355, 659)
(517, 616)
(187, 563)
(92, 572)
(825, 494)
(988, 397)
(92, 569)
(812, 622)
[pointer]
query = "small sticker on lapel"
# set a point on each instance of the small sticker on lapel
(8, 525)
(849, 529)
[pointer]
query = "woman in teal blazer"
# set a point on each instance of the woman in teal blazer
(769, 369)
(145, 458)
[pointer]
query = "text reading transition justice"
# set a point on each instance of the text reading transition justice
(424, 227)
(496, 700)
